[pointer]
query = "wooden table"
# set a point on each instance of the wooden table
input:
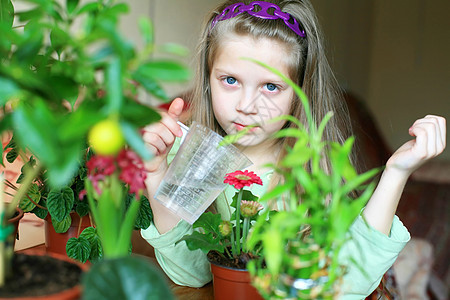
(180, 292)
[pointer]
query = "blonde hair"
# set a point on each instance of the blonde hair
(309, 67)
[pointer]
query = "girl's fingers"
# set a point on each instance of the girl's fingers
(421, 145)
(176, 108)
(155, 143)
(442, 130)
(430, 136)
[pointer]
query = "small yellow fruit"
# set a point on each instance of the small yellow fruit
(106, 137)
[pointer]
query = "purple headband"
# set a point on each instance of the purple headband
(229, 12)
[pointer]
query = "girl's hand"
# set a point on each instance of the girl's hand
(159, 137)
(430, 135)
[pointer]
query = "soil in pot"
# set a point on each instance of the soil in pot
(40, 275)
(238, 263)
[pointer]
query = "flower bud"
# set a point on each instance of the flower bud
(225, 228)
(250, 208)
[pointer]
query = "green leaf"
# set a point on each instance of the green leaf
(8, 89)
(114, 86)
(60, 203)
(78, 249)
(289, 132)
(25, 203)
(12, 155)
(63, 226)
(273, 249)
(145, 214)
(246, 195)
(277, 191)
(59, 39)
(164, 70)
(33, 126)
(128, 277)
(61, 172)
(297, 158)
(63, 87)
(71, 5)
(39, 212)
(31, 163)
(28, 15)
(95, 245)
(134, 139)
(150, 85)
(82, 208)
(173, 48)
(204, 242)
(146, 29)
(28, 50)
(88, 8)
(209, 222)
(139, 115)
(76, 125)
(6, 12)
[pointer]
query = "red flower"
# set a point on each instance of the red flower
(103, 165)
(239, 179)
(132, 170)
(129, 165)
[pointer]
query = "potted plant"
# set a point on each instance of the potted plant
(301, 244)
(110, 181)
(66, 211)
(65, 214)
(225, 241)
(294, 253)
(65, 68)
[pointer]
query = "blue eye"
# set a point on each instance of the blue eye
(230, 80)
(271, 87)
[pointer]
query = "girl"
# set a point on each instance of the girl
(232, 93)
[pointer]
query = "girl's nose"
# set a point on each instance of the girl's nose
(248, 103)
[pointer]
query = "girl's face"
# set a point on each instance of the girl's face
(244, 93)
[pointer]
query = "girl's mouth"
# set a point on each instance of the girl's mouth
(240, 127)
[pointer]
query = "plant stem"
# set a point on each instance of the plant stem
(3, 220)
(245, 233)
(15, 188)
(233, 244)
(238, 222)
(30, 174)
(228, 252)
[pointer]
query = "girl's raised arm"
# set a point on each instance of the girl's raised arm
(430, 135)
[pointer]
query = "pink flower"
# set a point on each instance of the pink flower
(250, 208)
(132, 170)
(98, 164)
(239, 179)
(129, 165)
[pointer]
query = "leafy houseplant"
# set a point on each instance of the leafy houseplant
(301, 244)
(42, 200)
(225, 241)
(115, 219)
(65, 68)
(224, 237)
(62, 203)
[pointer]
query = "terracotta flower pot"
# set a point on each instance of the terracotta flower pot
(56, 242)
(232, 284)
(68, 294)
